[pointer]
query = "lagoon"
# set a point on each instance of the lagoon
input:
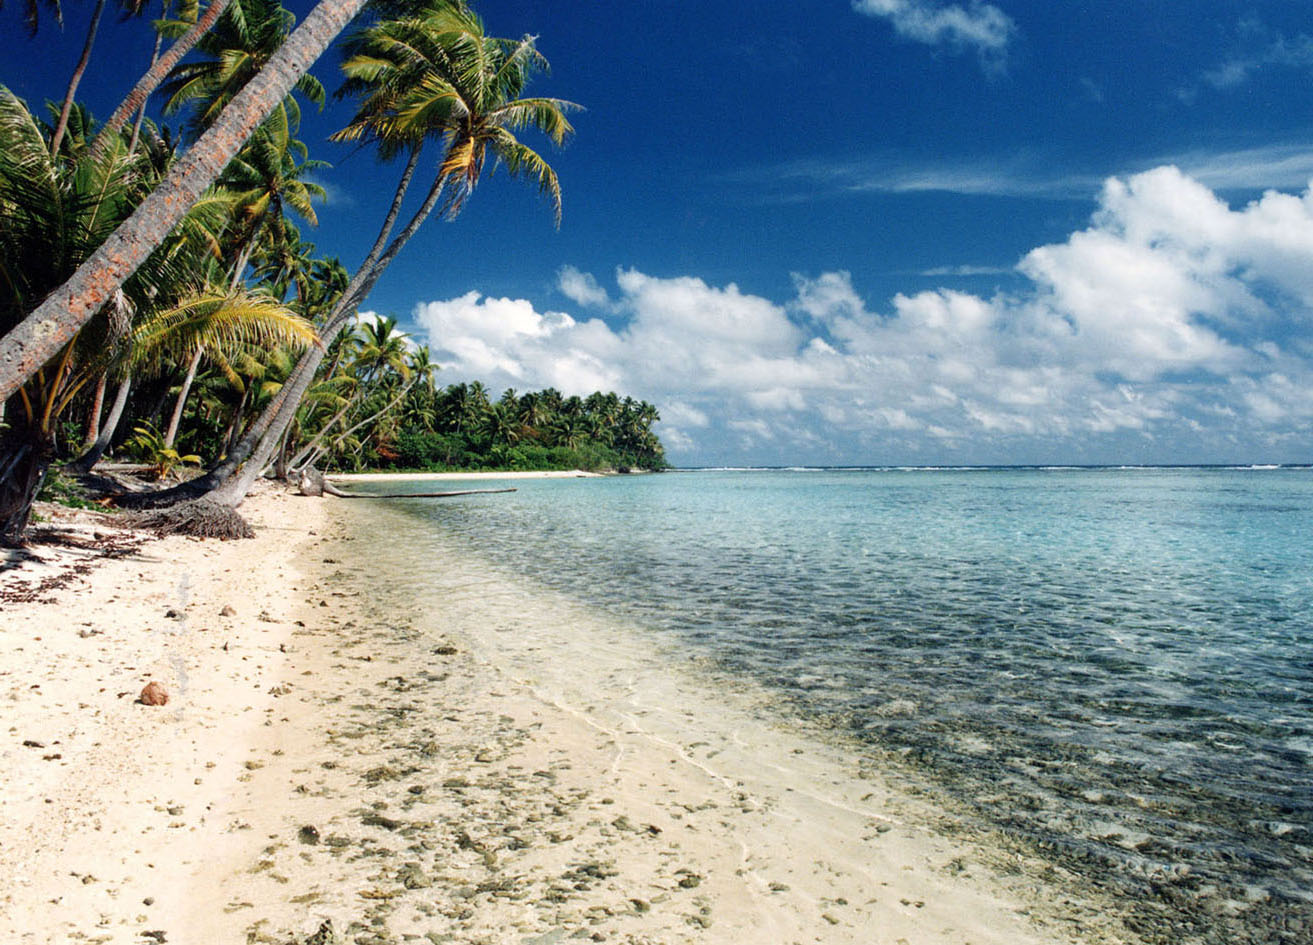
(1111, 668)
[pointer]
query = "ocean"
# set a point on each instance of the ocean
(1110, 668)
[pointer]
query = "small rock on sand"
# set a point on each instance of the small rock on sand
(153, 694)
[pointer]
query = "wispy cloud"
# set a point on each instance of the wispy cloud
(1288, 166)
(1283, 166)
(1289, 52)
(1256, 48)
(967, 271)
(1010, 176)
(979, 26)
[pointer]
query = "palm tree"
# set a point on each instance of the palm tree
(56, 214)
(187, 35)
(286, 264)
(447, 81)
(380, 350)
(262, 181)
(131, 7)
(221, 323)
(53, 323)
(235, 50)
(265, 180)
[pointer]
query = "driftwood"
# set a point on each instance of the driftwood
(313, 483)
(410, 495)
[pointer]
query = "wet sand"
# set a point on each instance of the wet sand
(333, 755)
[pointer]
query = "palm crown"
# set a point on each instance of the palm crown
(434, 75)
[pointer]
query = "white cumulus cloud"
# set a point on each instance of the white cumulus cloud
(581, 287)
(1173, 322)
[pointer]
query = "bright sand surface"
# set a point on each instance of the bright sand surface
(328, 754)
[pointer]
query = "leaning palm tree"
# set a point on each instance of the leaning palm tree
(221, 323)
(131, 7)
(433, 75)
(262, 182)
(50, 325)
(56, 214)
(187, 32)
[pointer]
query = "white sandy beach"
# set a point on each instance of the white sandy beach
(325, 756)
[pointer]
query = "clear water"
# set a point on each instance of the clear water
(1113, 666)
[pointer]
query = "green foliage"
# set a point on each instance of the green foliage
(461, 429)
(62, 490)
(148, 447)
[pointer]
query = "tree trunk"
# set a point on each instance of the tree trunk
(234, 489)
(280, 467)
(321, 450)
(62, 125)
(257, 430)
(107, 429)
(171, 433)
(57, 319)
(148, 83)
(233, 458)
(93, 415)
(306, 451)
(141, 111)
(22, 471)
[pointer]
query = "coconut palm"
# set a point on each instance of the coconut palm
(380, 350)
(53, 323)
(186, 32)
(56, 215)
(242, 42)
(132, 7)
(265, 181)
(447, 81)
(221, 324)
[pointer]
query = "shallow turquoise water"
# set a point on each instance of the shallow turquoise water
(1115, 665)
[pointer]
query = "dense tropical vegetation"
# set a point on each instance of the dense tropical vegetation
(159, 301)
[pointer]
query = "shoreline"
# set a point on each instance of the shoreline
(330, 753)
(454, 476)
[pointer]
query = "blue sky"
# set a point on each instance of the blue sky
(882, 231)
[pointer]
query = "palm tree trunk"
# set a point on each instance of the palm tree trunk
(148, 83)
(141, 111)
(309, 449)
(23, 468)
(314, 457)
(280, 467)
(87, 460)
(251, 438)
(175, 419)
(62, 125)
(54, 322)
(234, 489)
(235, 426)
(93, 415)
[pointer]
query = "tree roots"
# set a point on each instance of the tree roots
(203, 518)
